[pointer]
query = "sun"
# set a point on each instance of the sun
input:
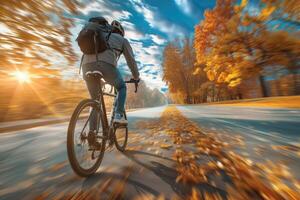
(22, 76)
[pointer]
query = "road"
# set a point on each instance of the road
(34, 161)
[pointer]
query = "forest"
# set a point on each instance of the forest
(238, 51)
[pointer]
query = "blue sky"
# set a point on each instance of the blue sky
(149, 25)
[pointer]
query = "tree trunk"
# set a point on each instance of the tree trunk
(240, 96)
(204, 96)
(263, 86)
(277, 83)
(296, 85)
(213, 93)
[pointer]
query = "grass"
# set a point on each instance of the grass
(276, 102)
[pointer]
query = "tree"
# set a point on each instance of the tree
(214, 21)
(243, 46)
(33, 29)
(178, 65)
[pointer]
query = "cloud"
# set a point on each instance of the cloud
(113, 12)
(154, 82)
(185, 6)
(149, 63)
(106, 10)
(155, 21)
(132, 33)
(157, 39)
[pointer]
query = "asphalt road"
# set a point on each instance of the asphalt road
(34, 163)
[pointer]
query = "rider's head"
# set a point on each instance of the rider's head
(99, 20)
(117, 28)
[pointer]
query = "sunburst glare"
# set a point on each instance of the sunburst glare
(22, 76)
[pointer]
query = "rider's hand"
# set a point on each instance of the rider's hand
(135, 80)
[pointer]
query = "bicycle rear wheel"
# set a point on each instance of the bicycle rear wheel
(86, 141)
(121, 136)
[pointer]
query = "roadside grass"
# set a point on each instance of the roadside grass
(277, 102)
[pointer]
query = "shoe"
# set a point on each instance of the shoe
(120, 119)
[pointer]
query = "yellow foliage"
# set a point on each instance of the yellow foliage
(244, 3)
(39, 28)
(222, 77)
(197, 71)
(235, 82)
(210, 75)
(266, 12)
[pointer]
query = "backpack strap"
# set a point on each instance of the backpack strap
(96, 46)
(107, 37)
(121, 51)
(81, 63)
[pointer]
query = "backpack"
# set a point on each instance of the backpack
(92, 38)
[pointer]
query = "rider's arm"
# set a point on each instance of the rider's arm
(128, 53)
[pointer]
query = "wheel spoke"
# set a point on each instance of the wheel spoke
(86, 122)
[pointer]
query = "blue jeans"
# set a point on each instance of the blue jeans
(112, 76)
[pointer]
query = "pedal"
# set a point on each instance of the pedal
(110, 143)
(118, 125)
(111, 140)
(95, 147)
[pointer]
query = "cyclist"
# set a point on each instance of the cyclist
(107, 66)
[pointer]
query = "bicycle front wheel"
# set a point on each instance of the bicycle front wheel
(85, 139)
(121, 136)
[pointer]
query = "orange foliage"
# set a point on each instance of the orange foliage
(236, 45)
(33, 29)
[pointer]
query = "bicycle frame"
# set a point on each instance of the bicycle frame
(104, 120)
(108, 128)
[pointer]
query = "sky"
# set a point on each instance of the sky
(149, 25)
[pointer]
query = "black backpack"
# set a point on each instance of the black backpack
(93, 38)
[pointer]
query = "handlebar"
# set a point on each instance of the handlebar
(136, 83)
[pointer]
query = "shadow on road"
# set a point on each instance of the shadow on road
(164, 168)
(101, 177)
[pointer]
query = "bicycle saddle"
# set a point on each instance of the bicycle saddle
(96, 74)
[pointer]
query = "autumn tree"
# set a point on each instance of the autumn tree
(32, 30)
(178, 62)
(214, 21)
(234, 48)
(286, 12)
(243, 46)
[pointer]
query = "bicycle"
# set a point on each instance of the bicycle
(94, 142)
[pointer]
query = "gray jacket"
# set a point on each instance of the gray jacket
(118, 45)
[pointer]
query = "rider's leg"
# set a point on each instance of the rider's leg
(113, 76)
(120, 85)
(93, 88)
